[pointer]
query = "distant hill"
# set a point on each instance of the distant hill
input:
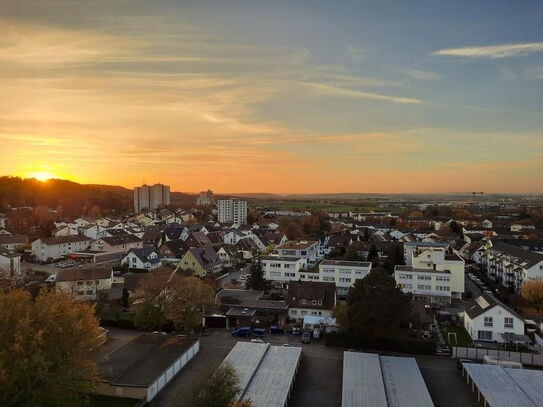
(68, 198)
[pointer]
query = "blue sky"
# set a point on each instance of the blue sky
(305, 96)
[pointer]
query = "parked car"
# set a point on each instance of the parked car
(259, 332)
(242, 331)
(306, 337)
(51, 279)
(275, 329)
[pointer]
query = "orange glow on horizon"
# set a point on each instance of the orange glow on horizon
(42, 176)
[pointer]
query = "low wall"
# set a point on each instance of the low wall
(532, 359)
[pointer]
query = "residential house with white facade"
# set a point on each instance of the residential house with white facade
(304, 249)
(511, 265)
(310, 298)
(117, 244)
(53, 248)
(12, 242)
(145, 258)
(84, 284)
(487, 319)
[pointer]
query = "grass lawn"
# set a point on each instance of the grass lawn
(106, 401)
(462, 336)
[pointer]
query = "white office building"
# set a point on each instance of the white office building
(151, 197)
(232, 210)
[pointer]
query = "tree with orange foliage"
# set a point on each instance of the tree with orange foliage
(243, 403)
(161, 296)
(532, 290)
(45, 350)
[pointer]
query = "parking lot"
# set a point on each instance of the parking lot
(319, 380)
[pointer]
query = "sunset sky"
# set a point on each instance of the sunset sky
(275, 96)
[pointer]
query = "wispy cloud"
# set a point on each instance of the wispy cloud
(424, 75)
(493, 51)
(353, 93)
(356, 54)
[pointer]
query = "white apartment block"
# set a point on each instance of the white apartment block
(511, 265)
(282, 269)
(151, 197)
(232, 210)
(343, 273)
(303, 249)
(436, 259)
(431, 285)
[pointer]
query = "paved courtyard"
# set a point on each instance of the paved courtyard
(319, 379)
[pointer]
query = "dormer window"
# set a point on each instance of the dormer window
(314, 302)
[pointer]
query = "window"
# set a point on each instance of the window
(424, 287)
(508, 322)
(484, 335)
(488, 321)
(314, 302)
(424, 277)
(303, 301)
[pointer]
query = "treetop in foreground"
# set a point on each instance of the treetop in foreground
(45, 350)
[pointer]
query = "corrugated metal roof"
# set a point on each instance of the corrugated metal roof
(404, 384)
(272, 381)
(530, 382)
(265, 372)
(362, 381)
(497, 387)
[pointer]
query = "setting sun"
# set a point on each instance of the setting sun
(41, 175)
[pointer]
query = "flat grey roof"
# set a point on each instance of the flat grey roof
(142, 360)
(404, 384)
(245, 358)
(271, 383)
(362, 381)
(265, 372)
(345, 263)
(497, 387)
(530, 382)
(387, 381)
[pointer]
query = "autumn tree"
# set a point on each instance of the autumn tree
(163, 295)
(190, 297)
(45, 350)
(376, 305)
(532, 290)
(217, 387)
(151, 298)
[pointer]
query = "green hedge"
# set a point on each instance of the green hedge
(392, 344)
